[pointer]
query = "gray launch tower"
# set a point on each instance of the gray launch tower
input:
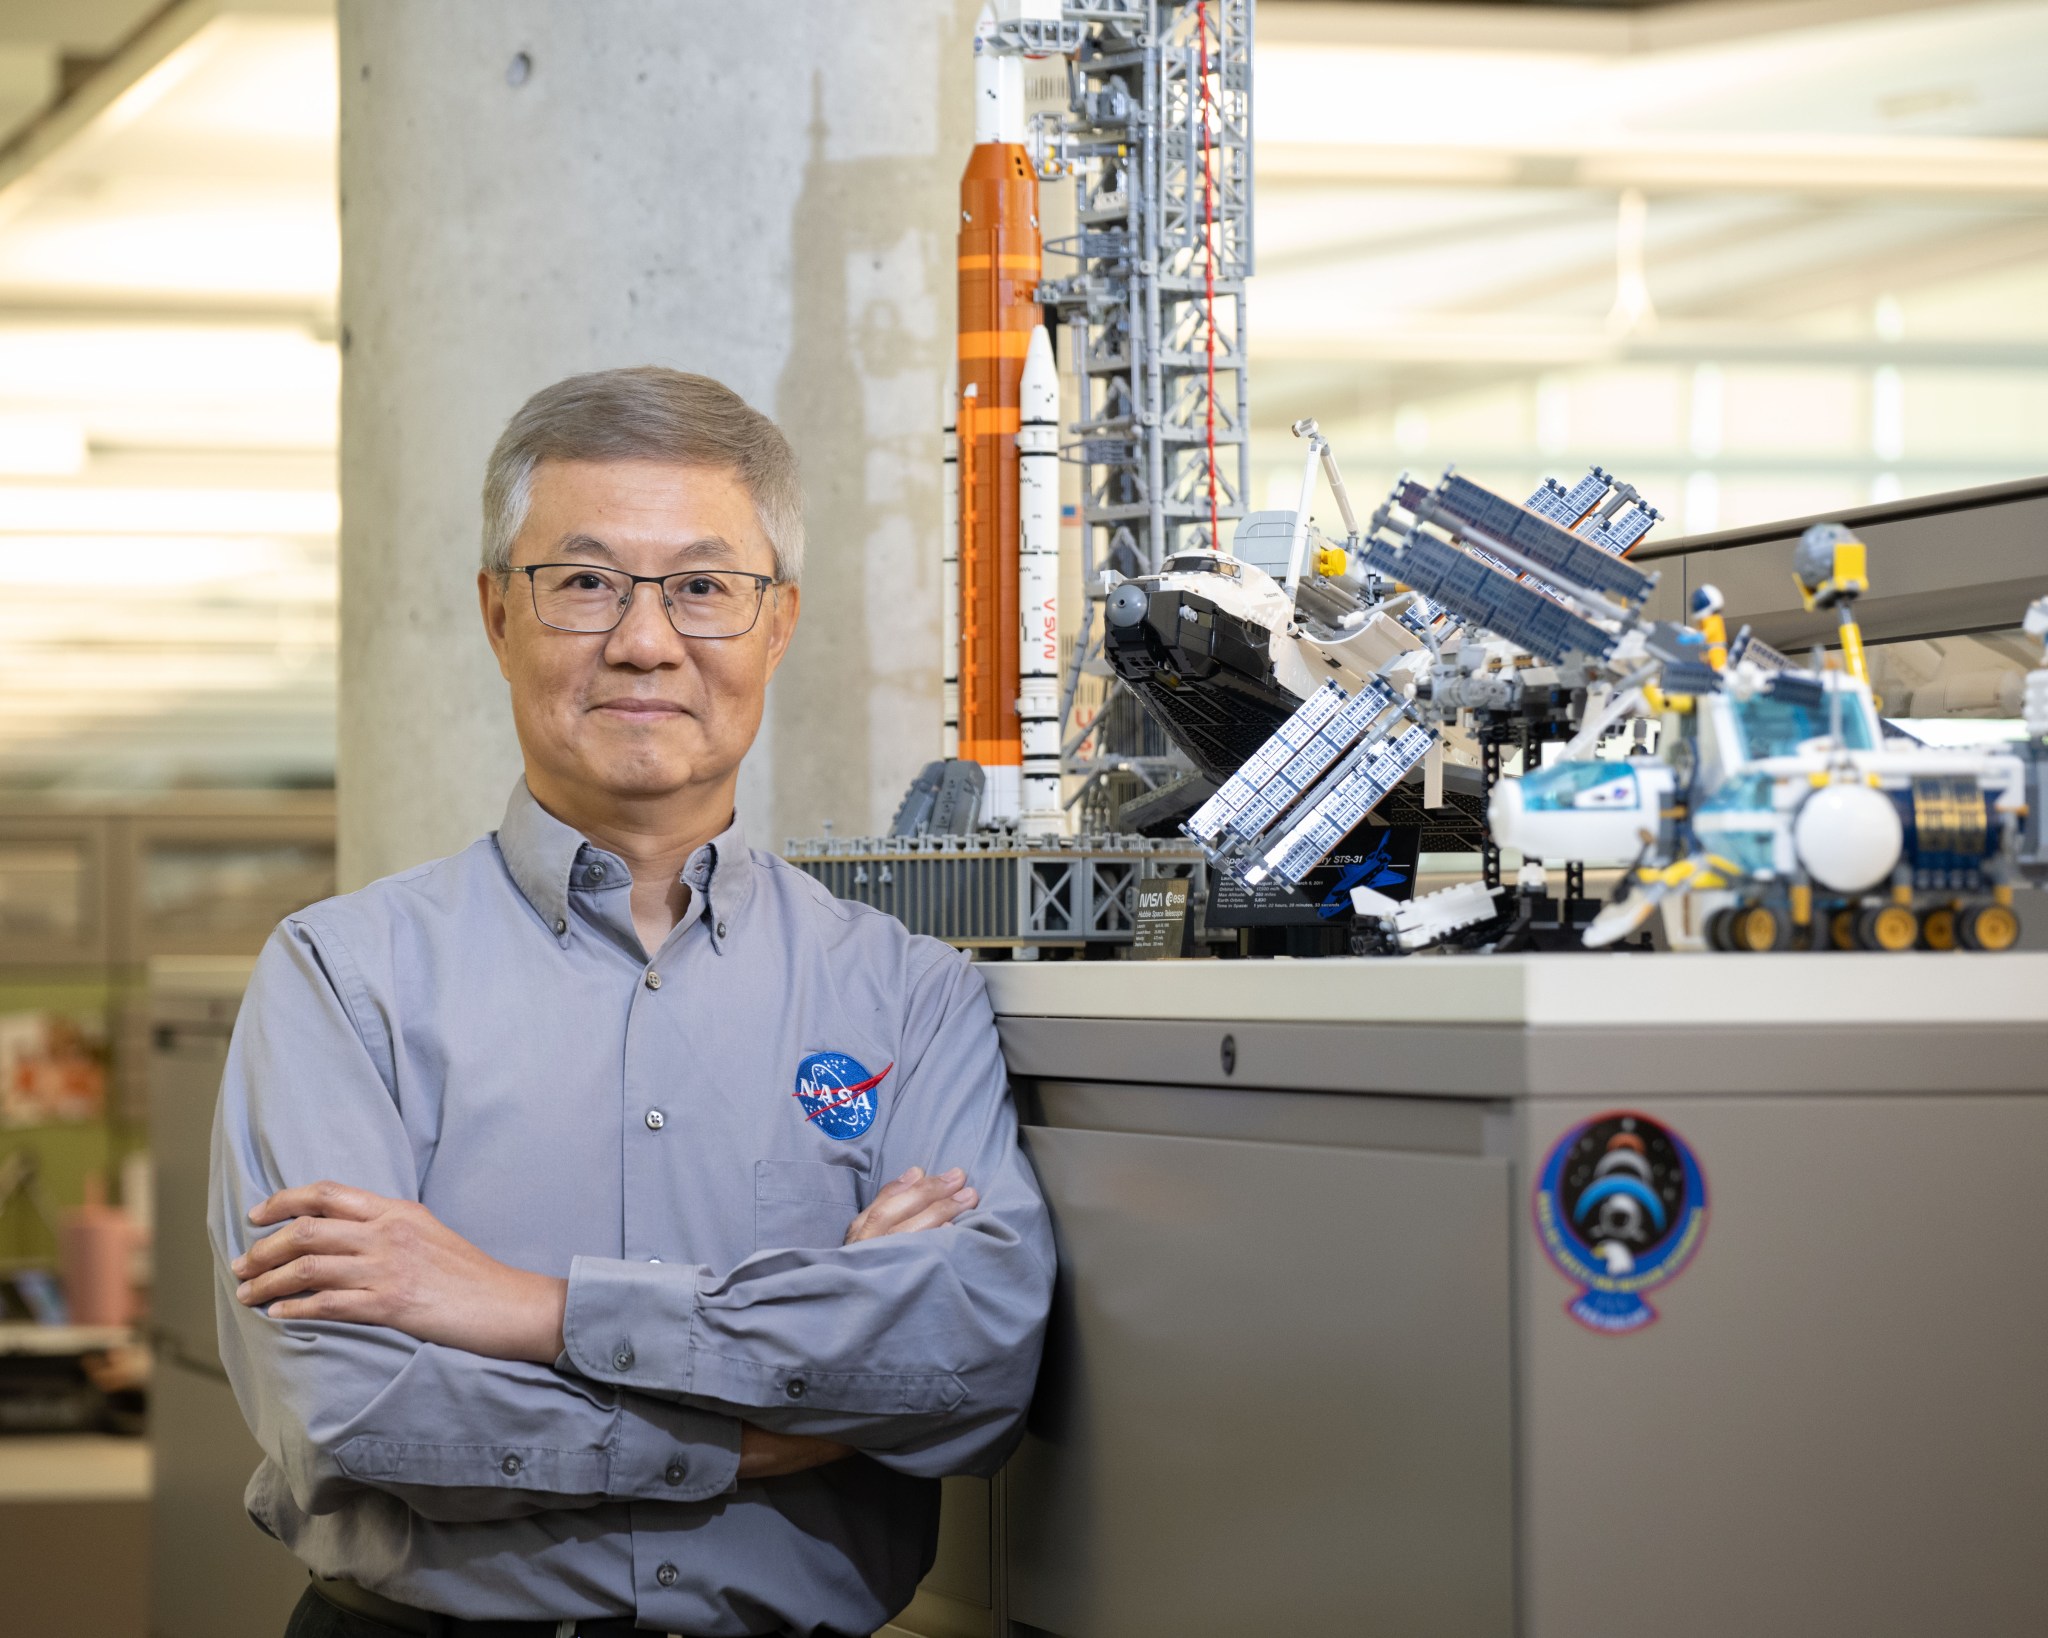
(1157, 137)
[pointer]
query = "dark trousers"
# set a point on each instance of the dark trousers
(314, 1617)
(318, 1617)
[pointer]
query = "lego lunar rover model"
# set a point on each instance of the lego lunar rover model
(1781, 812)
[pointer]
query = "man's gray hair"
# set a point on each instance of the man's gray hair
(645, 414)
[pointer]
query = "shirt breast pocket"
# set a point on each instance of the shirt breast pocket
(803, 1204)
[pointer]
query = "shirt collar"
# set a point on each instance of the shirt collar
(541, 851)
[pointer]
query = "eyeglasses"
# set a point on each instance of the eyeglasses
(700, 602)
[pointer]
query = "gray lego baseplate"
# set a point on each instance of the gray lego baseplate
(998, 888)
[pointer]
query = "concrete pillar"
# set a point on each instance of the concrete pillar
(765, 193)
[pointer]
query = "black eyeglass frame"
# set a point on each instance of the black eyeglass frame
(762, 584)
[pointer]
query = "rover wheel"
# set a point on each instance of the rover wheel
(1889, 927)
(1718, 936)
(1842, 928)
(1761, 927)
(1938, 928)
(1988, 927)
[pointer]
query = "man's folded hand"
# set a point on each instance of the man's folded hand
(914, 1201)
(347, 1254)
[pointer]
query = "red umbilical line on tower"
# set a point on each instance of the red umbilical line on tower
(1209, 255)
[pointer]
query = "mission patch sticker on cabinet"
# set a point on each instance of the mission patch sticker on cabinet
(1621, 1206)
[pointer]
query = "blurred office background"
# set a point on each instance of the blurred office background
(168, 379)
(1761, 260)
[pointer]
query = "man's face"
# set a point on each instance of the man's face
(638, 712)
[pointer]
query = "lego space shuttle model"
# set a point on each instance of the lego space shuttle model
(1001, 476)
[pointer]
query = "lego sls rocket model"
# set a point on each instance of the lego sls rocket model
(1001, 581)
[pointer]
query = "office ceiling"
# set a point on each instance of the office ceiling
(1444, 213)
(1465, 230)
(168, 384)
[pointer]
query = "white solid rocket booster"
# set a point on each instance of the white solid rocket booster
(999, 75)
(949, 566)
(1038, 584)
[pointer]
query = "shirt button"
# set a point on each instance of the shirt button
(653, 979)
(795, 1389)
(594, 875)
(561, 927)
(510, 1466)
(656, 1120)
(668, 1575)
(654, 1259)
(721, 929)
(623, 1360)
(673, 1473)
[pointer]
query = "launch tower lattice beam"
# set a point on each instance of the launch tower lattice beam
(1157, 135)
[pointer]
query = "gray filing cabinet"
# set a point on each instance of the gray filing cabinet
(213, 1574)
(1313, 1371)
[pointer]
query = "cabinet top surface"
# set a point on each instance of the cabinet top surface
(1563, 990)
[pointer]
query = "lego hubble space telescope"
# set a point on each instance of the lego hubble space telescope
(1481, 670)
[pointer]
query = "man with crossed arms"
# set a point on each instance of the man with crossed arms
(617, 1232)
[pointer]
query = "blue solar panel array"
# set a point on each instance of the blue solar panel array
(1689, 677)
(1618, 533)
(1212, 820)
(1465, 507)
(1748, 646)
(1317, 755)
(1564, 507)
(1484, 597)
(1362, 788)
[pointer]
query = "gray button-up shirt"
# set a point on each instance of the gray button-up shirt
(685, 1137)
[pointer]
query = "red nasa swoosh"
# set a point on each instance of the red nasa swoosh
(846, 1093)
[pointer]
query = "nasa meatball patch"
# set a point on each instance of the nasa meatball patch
(1621, 1206)
(838, 1095)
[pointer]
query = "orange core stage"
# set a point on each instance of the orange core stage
(1000, 263)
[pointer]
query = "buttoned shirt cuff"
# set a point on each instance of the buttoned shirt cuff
(630, 1323)
(669, 1452)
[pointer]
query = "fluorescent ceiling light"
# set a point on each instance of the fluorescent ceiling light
(132, 562)
(217, 240)
(1969, 70)
(77, 367)
(1855, 167)
(269, 79)
(41, 446)
(57, 510)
